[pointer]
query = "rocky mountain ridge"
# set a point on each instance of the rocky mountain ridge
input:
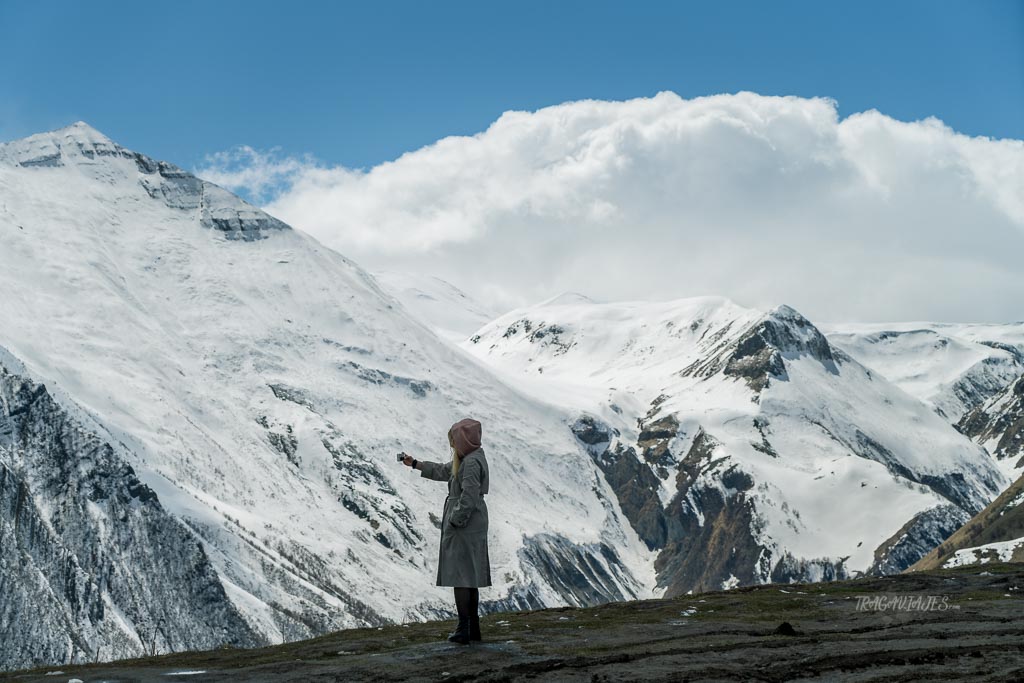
(742, 446)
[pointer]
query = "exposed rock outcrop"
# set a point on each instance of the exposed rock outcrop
(635, 485)
(91, 565)
(999, 424)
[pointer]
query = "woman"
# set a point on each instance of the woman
(463, 562)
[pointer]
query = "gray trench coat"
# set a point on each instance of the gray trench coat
(463, 559)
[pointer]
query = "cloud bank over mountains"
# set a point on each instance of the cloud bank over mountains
(762, 199)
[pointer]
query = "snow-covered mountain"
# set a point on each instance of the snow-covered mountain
(971, 374)
(440, 305)
(742, 445)
(215, 402)
(952, 367)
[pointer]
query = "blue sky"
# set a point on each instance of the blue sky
(357, 84)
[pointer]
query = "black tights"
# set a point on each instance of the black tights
(467, 601)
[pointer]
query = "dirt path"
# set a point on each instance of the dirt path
(975, 631)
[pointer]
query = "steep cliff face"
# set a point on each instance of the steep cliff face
(635, 484)
(998, 424)
(92, 567)
(743, 446)
(923, 533)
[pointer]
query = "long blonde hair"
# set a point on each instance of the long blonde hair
(455, 457)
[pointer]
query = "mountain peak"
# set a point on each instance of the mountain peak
(57, 147)
(79, 130)
(85, 151)
(567, 299)
(786, 312)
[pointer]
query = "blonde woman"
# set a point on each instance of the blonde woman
(463, 562)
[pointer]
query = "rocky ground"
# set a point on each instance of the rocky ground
(779, 632)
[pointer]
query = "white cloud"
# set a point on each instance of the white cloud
(762, 199)
(261, 175)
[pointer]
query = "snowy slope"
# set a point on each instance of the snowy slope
(741, 444)
(261, 384)
(952, 367)
(438, 304)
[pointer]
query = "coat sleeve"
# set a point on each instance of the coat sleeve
(472, 471)
(434, 470)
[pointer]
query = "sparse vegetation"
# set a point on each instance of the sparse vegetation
(727, 635)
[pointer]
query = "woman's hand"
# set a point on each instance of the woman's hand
(407, 459)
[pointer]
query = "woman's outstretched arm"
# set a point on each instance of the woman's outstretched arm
(430, 470)
(434, 470)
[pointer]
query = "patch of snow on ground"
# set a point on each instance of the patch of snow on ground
(1004, 551)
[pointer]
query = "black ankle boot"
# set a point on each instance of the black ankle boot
(461, 633)
(474, 628)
